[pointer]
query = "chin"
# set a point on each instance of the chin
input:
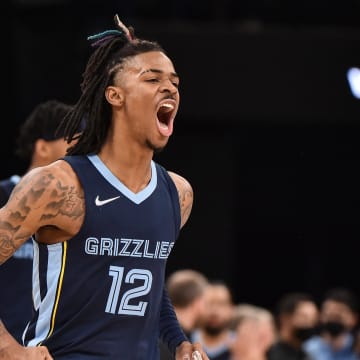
(159, 150)
(156, 148)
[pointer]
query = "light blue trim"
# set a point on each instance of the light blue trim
(46, 305)
(137, 198)
(15, 179)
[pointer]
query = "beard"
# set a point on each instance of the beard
(213, 330)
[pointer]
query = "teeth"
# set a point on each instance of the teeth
(169, 106)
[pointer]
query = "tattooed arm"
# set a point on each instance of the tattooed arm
(47, 201)
(185, 196)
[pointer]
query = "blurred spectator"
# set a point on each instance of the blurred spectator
(338, 320)
(214, 332)
(186, 290)
(37, 145)
(356, 345)
(255, 332)
(297, 318)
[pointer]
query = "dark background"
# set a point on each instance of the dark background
(267, 132)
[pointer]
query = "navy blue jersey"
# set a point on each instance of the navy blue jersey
(99, 294)
(6, 187)
(15, 278)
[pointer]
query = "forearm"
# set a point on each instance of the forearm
(10, 349)
(5, 338)
(170, 331)
(7, 342)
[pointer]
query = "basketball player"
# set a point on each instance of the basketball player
(36, 145)
(106, 217)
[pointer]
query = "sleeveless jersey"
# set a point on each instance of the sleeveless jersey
(15, 278)
(99, 294)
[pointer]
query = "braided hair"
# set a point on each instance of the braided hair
(92, 112)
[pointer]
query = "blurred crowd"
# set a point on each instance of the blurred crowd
(298, 328)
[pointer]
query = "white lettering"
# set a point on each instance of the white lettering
(146, 250)
(127, 247)
(92, 246)
(127, 242)
(138, 243)
(163, 254)
(106, 245)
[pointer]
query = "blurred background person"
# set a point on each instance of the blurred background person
(297, 318)
(37, 144)
(186, 288)
(214, 332)
(338, 321)
(356, 345)
(255, 332)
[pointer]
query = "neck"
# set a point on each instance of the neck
(131, 167)
(288, 338)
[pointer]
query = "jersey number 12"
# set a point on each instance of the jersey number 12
(117, 273)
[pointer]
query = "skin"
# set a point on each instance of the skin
(49, 200)
(254, 335)
(336, 311)
(217, 314)
(45, 152)
(305, 315)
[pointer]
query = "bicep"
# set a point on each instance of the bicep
(186, 196)
(23, 213)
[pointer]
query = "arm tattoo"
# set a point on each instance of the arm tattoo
(62, 200)
(65, 200)
(185, 204)
(186, 200)
(7, 245)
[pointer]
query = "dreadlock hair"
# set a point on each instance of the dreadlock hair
(113, 47)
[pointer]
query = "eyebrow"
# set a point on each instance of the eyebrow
(157, 71)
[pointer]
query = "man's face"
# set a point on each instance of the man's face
(151, 98)
(306, 315)
(45, 152)
(333, 311)
(303, 321)
(57, 149)
(218, 309)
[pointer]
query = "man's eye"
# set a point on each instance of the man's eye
(152, 80)
(176, 84)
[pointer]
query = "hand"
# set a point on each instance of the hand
(18, 352)
(10, 349)
(189, 351)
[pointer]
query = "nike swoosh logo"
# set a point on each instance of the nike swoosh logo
(99, 202)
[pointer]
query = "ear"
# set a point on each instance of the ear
(114, 95)
(41, 148)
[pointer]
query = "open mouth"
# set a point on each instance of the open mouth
(165, 116)
(165, 112)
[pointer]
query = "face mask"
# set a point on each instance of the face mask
(304, 333)
(333, 328)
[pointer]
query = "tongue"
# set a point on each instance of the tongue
(164, 129)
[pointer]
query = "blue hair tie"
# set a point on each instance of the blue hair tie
(105, 33)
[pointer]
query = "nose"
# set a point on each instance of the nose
(168, 86)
